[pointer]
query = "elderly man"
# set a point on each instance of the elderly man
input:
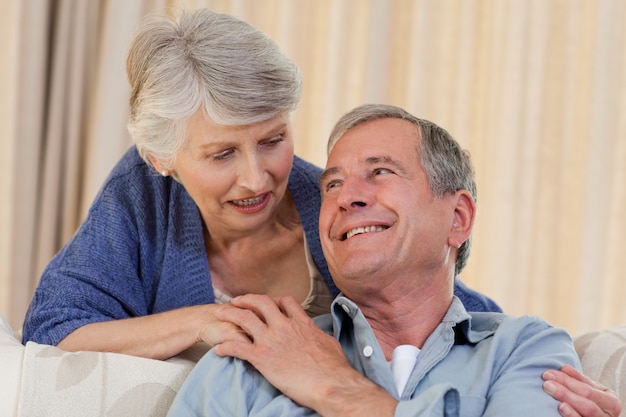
(398, 207)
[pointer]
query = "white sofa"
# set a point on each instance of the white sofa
(603, 357)
(40, 380)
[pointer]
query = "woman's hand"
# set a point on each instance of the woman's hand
(213, 331)
(580, 396)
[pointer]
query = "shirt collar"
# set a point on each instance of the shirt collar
(469, 327)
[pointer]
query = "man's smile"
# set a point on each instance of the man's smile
(363, 229)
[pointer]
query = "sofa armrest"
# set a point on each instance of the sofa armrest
(603, 357)
(11, 358)
(85, 384)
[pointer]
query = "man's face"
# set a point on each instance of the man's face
(379, 218)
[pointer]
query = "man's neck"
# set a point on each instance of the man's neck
(408, 318)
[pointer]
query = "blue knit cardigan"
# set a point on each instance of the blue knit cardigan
(141, 251)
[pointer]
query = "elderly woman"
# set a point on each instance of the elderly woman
(209, 204)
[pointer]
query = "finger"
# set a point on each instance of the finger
(216, 331)
(582, 385)
(291, 307)
(262, 305)
(581, 393)
(235, 348)
(236, 333)
(572, 404)
(565, 388)
(247, 320)
(566, 410)
(573, 372)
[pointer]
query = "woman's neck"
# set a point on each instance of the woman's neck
(268, 260)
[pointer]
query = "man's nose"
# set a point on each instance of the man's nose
(355, 193)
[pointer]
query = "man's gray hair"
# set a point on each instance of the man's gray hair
(448, 167)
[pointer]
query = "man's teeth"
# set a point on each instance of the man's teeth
(248, 202)
(366, 229)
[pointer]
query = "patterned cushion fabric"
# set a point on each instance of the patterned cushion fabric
(603, 357)
(94, 384)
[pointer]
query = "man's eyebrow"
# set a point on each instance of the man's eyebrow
(327, 173)
(372, 160)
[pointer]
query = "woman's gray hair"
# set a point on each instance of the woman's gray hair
(203, 60)
(447, 166)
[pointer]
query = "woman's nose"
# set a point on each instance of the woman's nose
(252, 174)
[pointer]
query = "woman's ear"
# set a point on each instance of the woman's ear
(156, 164)
(463, 220)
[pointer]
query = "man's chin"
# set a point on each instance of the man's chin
(358, 271)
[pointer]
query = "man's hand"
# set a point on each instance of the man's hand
(580, 396)
(299, 359)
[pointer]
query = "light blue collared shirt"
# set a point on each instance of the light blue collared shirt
(473, 364)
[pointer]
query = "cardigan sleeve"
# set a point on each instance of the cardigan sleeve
(473, 300)
(96, 276)
(139, 251)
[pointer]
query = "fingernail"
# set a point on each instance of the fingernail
(564, 410)
(549, 387)
(548, 375)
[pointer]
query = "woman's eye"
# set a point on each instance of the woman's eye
(225, 154)
(274, 141)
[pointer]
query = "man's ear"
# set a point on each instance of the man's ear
(463, 220)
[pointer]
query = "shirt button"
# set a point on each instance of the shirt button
(368, 351)
(345, 308)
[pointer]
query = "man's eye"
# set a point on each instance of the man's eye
(379, 171)
(332, 184)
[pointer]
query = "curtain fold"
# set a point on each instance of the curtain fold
(534, 89)
(106, 137)
(32, 36)
(9, 26)
(63, 147)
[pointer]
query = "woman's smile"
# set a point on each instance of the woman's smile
(251, 205)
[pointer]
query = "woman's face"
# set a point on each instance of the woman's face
(237, 175)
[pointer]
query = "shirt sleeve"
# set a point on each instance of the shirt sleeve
(225, 386)
(516, 387)
(230, 387)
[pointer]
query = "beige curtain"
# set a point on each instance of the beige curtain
(534, 89)
(8, 71)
